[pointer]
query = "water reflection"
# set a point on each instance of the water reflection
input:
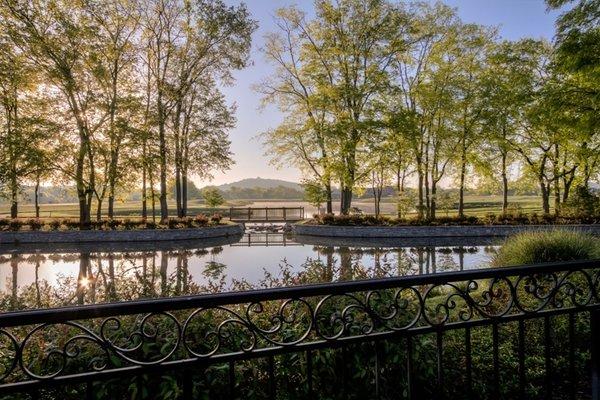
(44, 277)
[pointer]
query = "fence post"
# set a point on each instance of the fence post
(595, 352)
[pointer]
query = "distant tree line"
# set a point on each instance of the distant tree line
(105, 95)
(378, 93)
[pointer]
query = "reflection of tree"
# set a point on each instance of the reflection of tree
(216, 250)
(38, 298)
(214, 270)
(104, 277)
(82, 278)
(164, 263)
(100, 278)
(14, 265)
(345, 263)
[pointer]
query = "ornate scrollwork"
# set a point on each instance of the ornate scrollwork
(49, 350)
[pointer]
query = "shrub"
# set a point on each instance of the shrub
(113, 223)
(4, 222)
(534, 218)
(489, 218)
(34, 224)
(216, 218)
(201, 219)
(102, 224)
(553, 246)
(582, 203)
(54, 224)
(129, 224)
(70, 223)
(15, 224)
(327, 219)
(150, 225)
(173, 223)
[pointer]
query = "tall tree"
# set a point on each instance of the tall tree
(58, 38)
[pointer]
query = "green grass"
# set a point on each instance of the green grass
(122, 209)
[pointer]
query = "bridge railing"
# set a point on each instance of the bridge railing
(515, 332)
(266, 214)
(265, 239)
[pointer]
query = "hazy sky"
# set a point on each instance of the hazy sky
(516, 19)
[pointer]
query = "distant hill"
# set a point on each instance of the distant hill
(260, 183)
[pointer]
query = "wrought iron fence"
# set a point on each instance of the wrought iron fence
(515, 332)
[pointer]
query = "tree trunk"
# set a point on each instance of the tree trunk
(184, 183)
(504, 184)
(178, 202)
(14, 196)
(111, 205)
(567, 182)
(152, 195)
(37, 197)
(545, 195)
(427, 210)
(556, 180)
(144, 188)
(346, 200)
(420, 206)
(556, 196)
(463, 171)
(99, 210)
(329, 201)
(341, 197)
(433, 206)
(164, 209)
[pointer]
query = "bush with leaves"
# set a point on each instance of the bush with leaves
(582, 203)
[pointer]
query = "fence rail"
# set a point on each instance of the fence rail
(266, 214)
(419, 337)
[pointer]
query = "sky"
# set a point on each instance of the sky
(515, 18)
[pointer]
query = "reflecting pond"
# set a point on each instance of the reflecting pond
(42, 276)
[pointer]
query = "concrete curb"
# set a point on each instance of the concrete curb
(430, 231)
(141, 235)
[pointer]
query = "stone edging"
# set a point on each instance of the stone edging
(139, 235)
(430, 231)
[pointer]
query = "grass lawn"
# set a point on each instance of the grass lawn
(474, 205)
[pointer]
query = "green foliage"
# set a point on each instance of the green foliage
(314, 194)
(212, 196)
(407, 200)
(554, 246)
(582, 203)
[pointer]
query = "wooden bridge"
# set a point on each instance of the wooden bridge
(266, 214)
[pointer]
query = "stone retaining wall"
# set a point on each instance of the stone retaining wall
(430, 231)
(139, 235)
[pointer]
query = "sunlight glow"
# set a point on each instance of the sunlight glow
(85, 282)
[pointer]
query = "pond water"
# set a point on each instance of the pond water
(59, 275)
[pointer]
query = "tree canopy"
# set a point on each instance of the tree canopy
(106, 94)
(375, 89)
